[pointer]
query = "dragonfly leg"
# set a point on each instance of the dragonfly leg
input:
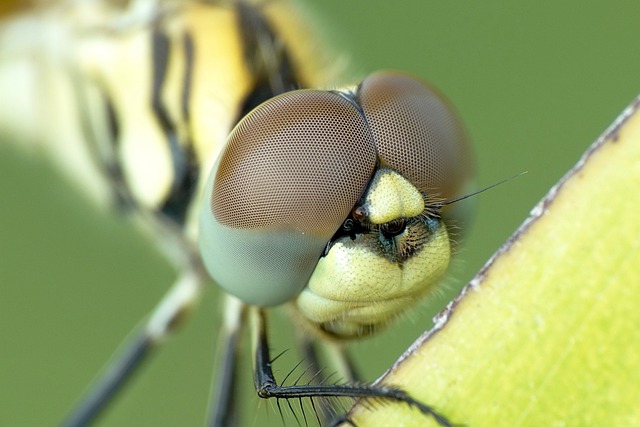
(223, 404)
(137, 349)
(338, 357)
(267, 386)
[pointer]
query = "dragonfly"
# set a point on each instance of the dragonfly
(198, 121)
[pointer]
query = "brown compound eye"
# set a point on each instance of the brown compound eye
(418, 134)
(290, 174)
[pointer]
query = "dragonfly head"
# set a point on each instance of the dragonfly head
(332, 200)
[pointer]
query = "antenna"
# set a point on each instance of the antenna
(449, 202)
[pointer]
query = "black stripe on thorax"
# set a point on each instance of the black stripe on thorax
(185, 164)
(266, 56)
(187, 42)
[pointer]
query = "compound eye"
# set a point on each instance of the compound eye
(417, 133)
(290, 173)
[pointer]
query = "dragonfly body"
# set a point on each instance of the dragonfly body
(339, 211)
(139, 100)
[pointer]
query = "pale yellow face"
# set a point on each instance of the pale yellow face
(367, 279)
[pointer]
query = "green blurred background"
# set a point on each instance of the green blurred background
(536, 83)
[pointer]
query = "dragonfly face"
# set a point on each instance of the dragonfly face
(332, 199)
